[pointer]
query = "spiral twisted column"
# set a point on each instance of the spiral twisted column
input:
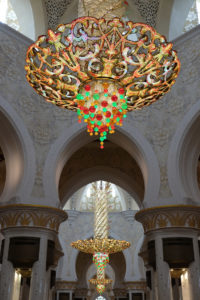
(101, 216)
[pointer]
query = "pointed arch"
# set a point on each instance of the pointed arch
(19, 155)
(127, 138)
(183, 158)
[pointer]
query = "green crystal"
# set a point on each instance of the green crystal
(124, 106)
(79, 97)
(96, 96)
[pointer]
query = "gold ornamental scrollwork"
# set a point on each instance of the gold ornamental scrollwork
(66, 285)
(20, 215)
(178, 216)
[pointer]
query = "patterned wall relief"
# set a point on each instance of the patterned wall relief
(55, 10)
(148, 9)
(45, 123)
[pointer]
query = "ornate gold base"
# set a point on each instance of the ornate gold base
(104, 281)
(100, 245)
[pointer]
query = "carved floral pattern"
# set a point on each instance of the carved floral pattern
(29, 216)
(169, 216)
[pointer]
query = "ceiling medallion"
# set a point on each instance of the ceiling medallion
(102, 69)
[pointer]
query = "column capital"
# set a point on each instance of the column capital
(29, 216)
(175, 216)
(136, 285)
(65, 285)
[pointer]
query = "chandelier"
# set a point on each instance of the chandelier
(101, 246)
(102, 69)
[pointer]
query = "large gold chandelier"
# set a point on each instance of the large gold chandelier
(102, 69)
(101, 246)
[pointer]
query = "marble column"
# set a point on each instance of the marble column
(39, 222)
(177, 221)
(152, 293)
(194, 272)
(38, 278)
(162, 272)
(7, 274)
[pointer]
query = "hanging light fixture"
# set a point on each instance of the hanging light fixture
(102, 69)
(101, 246)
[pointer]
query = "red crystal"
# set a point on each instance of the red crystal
(108, 114)
(87, 87)
(104, 103)
(92, 109)
(86, 111)
(114, 98)
(99, 117)
(121, 91)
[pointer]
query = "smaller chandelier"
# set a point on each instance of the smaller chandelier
(101, 246)
(102, 69)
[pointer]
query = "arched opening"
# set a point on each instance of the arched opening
(2, 171)
(17, 159)
(180, 14)
(132, 164)
(183, 162)
(19, 16)
(193, 17)
(90, 163)
(84, 199)
(11, 159)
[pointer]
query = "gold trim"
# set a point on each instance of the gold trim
(100, 245)
(103, 281)
(27, 215)
(30, 205)
(167, 206)
(169, 216)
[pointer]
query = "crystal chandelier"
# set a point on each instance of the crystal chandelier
(101, 246)
(102, 69)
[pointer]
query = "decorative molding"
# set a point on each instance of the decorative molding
(136, 285)
(81, 292)
(120, 292)
(181, 216)
(65, 285)
(20, 215)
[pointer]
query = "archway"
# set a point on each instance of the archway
(183, 158)
(127, 140)
(17, 154)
